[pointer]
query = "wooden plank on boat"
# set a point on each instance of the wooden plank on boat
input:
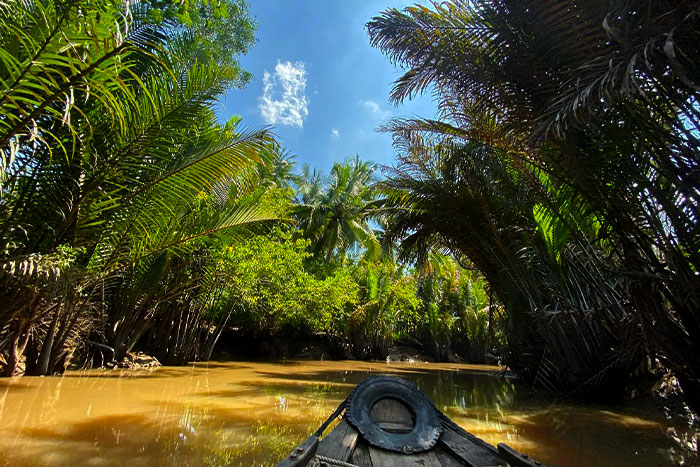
(383, 458)
(392, 416)
(446, 459)
(466, 449)
(302, 454)
(516, 458)
(360, 456)
(339, 443)
(447, 422)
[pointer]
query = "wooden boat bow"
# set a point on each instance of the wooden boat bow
(389, 422)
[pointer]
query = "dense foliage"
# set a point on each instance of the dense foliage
(270, 289)
(547, 217)
(113, 166)
(564, 165)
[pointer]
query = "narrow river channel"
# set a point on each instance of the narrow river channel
(244, 413)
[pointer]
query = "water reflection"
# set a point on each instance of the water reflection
(254, 413)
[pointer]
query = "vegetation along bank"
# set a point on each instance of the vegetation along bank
(547, 217)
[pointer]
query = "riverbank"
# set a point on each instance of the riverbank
(235, 344)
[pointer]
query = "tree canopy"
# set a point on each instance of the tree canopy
(569, 135)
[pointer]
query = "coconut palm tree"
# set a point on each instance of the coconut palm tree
(335, 213)
(278, 169)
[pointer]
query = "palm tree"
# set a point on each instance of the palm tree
(114, 159)
(457, 310)
(336, 213)
(597, 103)
(387, 300)
(278, 168)
(470, 201)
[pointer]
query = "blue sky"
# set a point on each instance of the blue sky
(318, 82)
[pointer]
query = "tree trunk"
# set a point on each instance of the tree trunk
(45, 354)
(17, 346)
(32, 354)
(214, 338)
(105, 350)
(59, 352)
(136, 335)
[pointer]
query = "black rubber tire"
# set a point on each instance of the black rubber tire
(424, 434)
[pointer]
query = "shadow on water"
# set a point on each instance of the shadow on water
(446, 388)
(14, 385)
(109, 440)
(185, 435)
(586, 436)
(151, 373)
(121, 432)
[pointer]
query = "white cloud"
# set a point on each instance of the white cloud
(284, 99)
(335, 134)
(371, 105)
(375, 108)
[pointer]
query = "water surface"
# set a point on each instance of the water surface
(213, 414)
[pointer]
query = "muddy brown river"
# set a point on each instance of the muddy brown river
(244, 413)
